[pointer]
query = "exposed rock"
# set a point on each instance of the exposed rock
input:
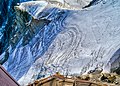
(60, 80)
(117, 70)
(77, 80)
(7, 22)
(5, 58)
(84, 77)
(105, 79)
(95, 71)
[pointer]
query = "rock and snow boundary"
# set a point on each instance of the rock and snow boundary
(88, 39)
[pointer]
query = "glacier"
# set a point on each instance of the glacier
(49, 38)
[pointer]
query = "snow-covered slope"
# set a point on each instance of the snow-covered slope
(74, 3)
(89, 41)
(71, 42)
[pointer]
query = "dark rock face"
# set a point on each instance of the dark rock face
(3, 60)
(116, 70)
(7, 22)
(94, 2)
(9, 28)
(21, 29)
(115, 62)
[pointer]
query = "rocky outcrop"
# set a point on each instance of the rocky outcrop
(101, 79)
(104, 79)
(60, 80)
(7, 23)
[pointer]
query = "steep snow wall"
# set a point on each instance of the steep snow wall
(88, 40)
(53, 39)
(7, 18)
(42, 29)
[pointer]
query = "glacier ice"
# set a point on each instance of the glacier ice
(89, 41)
(71, 42)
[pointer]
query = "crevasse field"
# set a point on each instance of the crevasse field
(60, 36)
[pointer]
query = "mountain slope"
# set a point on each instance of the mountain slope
(88, 42)
(52, 39)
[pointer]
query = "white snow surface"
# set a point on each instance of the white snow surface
(30, 7)
(73, 3)
(88, 40)
(78, 3)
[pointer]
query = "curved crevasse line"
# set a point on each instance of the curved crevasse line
(65, 48)
(72, 34)
(56, 65)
